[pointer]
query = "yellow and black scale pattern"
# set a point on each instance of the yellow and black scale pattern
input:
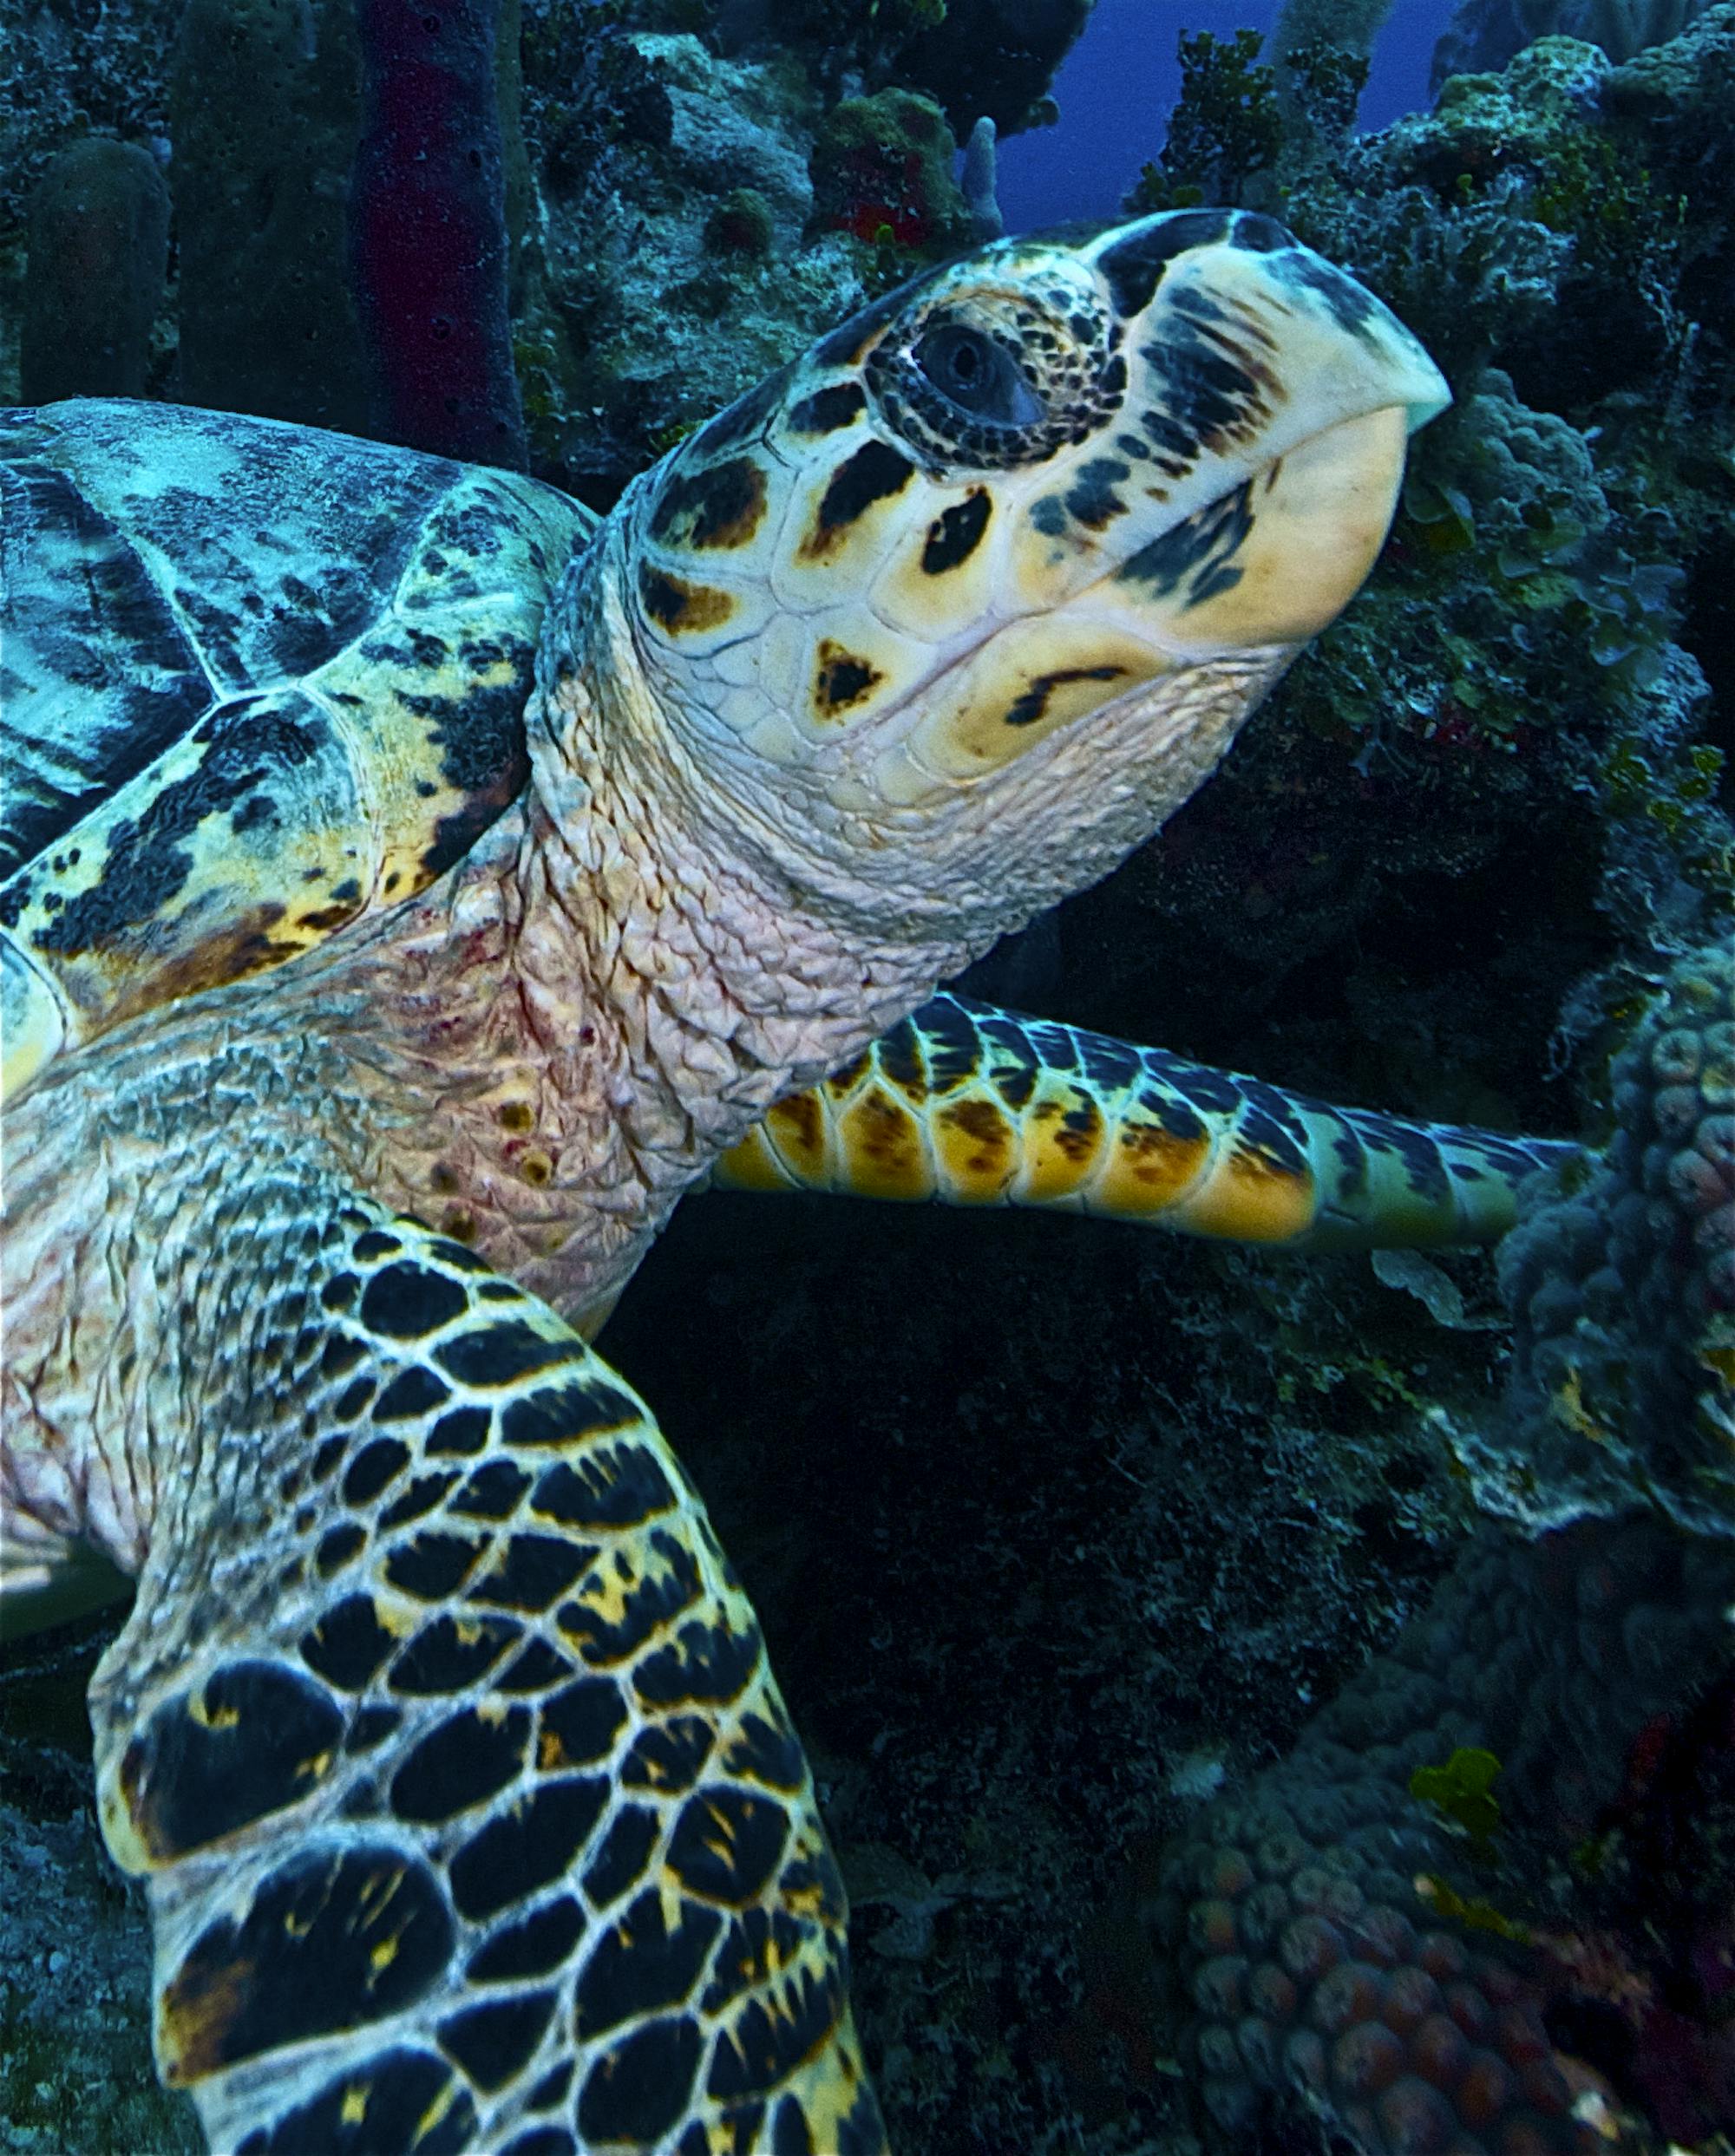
(968, 1104)
(445, 1737)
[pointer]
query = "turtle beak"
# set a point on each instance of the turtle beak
(1234, 505)
(1275, 397)
(1254, 466)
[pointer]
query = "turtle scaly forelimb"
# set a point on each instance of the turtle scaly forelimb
(967, 1104)
(444, 1735)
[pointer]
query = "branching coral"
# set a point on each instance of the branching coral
(1225, 132)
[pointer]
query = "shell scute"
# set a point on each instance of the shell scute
(260, 680)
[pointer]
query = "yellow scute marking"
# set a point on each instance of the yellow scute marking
(796, 1130)
(752, 1164)
(1148, 1168)
(1251, 1198)
(1058, 1155)
(882, 1142)
(974, 1143)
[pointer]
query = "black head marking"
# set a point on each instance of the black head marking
(827, 411)
(1199, 552)
(956, 533)
(1350, 307)
(1134, 266)
(682, 608)
(1033, 703)
(1091, 498)
(842, 679)
(721, 506)
(874, 473)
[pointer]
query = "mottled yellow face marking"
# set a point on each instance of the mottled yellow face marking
(1122, 479)
(682, 608)
(715, 509)
(851, 503)
(1028, 683)
(842, 681)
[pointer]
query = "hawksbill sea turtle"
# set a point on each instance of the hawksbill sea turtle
(412, 886)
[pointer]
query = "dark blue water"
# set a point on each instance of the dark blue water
(1116, 86)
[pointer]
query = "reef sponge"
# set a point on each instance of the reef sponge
(267, 320)
(98, 251)
(429, 246)
(881, 169)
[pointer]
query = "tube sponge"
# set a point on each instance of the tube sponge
(98, 240)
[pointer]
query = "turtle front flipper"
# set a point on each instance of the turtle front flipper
(445, 1738)
(967, 1105)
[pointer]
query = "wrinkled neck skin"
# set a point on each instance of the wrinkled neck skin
(670, 935)
(541, 1053)
(696, 896)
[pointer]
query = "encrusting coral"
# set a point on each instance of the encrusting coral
(1346, 1945)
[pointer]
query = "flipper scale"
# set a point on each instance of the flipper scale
(444, 1736)
(967, 1104)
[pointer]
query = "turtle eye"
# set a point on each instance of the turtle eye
(979, 375)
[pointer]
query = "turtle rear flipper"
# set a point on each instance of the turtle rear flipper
(445, 1738)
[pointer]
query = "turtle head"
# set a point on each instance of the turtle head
(972, 596)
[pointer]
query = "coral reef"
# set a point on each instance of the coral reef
(1342, 1947)
(644, 290)
(1625, 1285)
(881, 169)
(1115, 1514)
(1486, 33)
(98, 250)
(972, 56)
(98, 68)
(266, 300)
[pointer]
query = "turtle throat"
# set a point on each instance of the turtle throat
(738, 962)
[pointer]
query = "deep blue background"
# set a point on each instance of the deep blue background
(1116, 85)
